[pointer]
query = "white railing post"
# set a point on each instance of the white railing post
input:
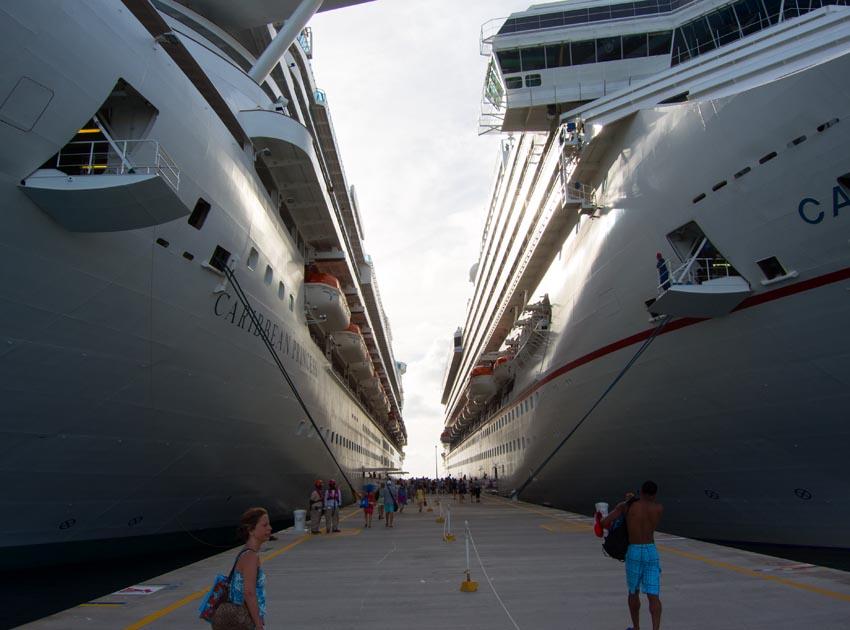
(91, 156)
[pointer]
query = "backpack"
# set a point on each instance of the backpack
(616, 543)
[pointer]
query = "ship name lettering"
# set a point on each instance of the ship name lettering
(839, 200)
(278, 337)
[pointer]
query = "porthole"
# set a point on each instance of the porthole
(767, 158)
(291, 302)
(796, 141)
(718, 186)
(827, 124)
(162, 242)
(803, 494)
(699, 198)
(281, 291)
(188, 256)
(253, 259)
(269, 275)
(742, 172)
(711, 494)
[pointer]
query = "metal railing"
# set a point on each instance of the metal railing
(99, 157)
(699, 270)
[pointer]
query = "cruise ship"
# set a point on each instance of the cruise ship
(190, 322)
(662, 286)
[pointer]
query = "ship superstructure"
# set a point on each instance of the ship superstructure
(155, 156)
(666, 225)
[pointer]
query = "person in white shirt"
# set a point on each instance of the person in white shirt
(333, 501)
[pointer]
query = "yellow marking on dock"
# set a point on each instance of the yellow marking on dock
(845, 597)
(562, 527)
(159, 614)
(97, 605)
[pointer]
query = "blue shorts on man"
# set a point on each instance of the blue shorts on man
(643, 569)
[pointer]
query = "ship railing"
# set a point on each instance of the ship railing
(578, 193)
(121, 157)
(699, 270)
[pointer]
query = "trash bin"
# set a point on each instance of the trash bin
(300, 520)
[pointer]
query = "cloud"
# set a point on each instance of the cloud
(403, 80)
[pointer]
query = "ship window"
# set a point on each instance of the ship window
(269, 275)
(680, 48)
(699, 198)
(698, 36)
(513, 83)
(742, 172)
(533, 58)
(827, 125)
(796, 141)
(724, 25)
(583, 52)
(199, 214)
(551, 20)
(281, 291)
(751, 15)
(162, 242)
(622, 10)
(557, 56)
(219, 258)
(597, 14)
(768, 157)
(659, 43)
(609, 49)
(774, 8)
(533, 80)
(718, 186)
(509, 61)
(771, 268)
(634, 46)
(188, 256)
(253, 259)
(291, 302)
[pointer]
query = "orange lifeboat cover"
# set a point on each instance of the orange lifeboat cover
(315, 277)
(481, 370)
(502, 360)
(353, 328)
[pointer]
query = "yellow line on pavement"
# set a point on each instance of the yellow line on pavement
(159, 614)
(756, 574)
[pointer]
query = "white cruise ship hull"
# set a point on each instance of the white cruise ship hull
(138, 398)
(740, 419)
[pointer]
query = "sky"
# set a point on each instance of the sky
(403, 80)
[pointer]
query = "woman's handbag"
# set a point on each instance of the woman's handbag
(230, 616)
(364, 502)
(218, 594)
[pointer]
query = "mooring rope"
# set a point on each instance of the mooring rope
(240, 293)
(622, 373)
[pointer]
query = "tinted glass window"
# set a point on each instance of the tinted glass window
(680, 48)
(575, 17)
(751, 16)
(698, 36)
(599, 13)
(659, 43)
(533, 58)
(513, 83)
(557, 56)
(773, 9)
(552, 19)
(608, 49)
(623, 10)
(508, 61)
(508, 27)
(583, 52)
(724, 26)
(634, 46)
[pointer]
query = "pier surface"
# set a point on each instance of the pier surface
(546, 567)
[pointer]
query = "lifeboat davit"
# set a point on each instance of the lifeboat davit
(350, 345)
(503, 369)
(482, 384)
(326, 301)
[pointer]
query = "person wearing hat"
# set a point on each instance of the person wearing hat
(389, 497)
(317, 502)
(333, 500)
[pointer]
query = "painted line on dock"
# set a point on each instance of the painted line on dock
(159, 614)
(845, 597)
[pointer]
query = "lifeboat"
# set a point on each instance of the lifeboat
(362, 371)
(503, 369)
(482, 384)
(350, 345)
(326, 302)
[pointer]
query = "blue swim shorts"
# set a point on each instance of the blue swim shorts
(389, 508)
(643, 569)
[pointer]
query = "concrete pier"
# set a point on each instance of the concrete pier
(544, 569)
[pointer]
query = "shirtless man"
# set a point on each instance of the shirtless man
(643, 567)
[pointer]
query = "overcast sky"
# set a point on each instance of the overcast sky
(403, 80)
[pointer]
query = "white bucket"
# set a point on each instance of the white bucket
(300, 520)
(602, 508)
